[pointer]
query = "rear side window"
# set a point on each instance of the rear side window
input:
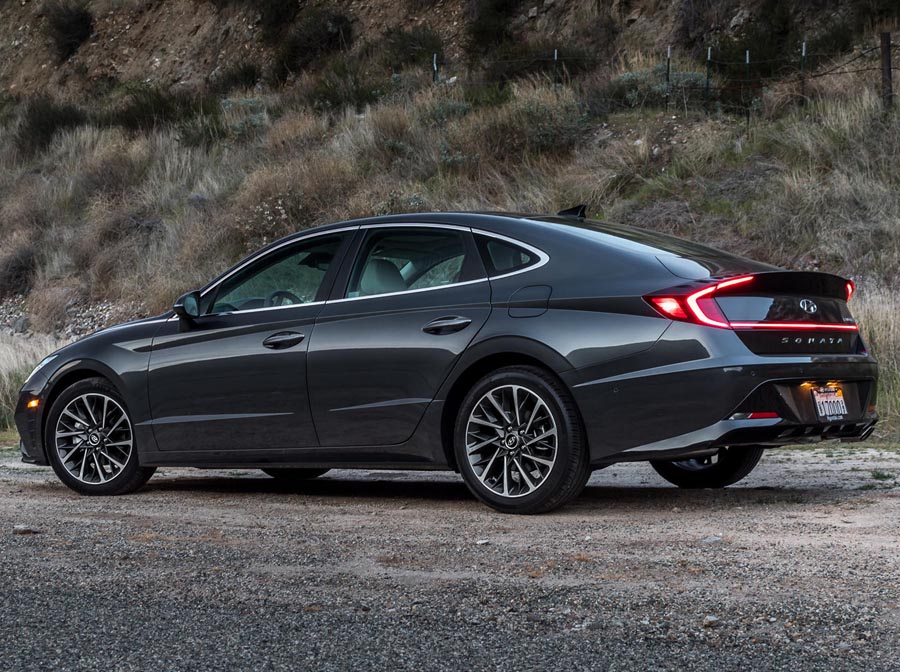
(402, 260)
(501, 257)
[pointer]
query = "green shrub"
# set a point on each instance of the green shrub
(41, 119)
(69, 24)
(17, 268)
(534, 125)
(240, 76)
(489, 24)
(146, 107)
(416, 46)
(443, 110)
(647, 88)
(346, 83)
(486, 94)
(319, 32)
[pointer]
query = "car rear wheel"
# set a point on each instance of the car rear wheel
(90, 440)
(726, 467)
(294, 474)
(519, 441)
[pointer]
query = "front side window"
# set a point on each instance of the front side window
(292, 276)
(401, 260)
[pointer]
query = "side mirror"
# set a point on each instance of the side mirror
(188, 306)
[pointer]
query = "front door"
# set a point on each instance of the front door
(235, 378)
(414, 300)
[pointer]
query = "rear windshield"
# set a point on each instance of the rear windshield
(682, 258)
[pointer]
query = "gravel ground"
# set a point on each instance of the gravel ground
(798, 568)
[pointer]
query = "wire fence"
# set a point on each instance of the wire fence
(720, 84)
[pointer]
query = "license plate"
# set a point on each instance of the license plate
(830, 404)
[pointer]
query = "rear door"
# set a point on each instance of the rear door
(412, 300)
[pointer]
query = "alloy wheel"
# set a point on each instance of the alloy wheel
(511, 441)
(93, 438)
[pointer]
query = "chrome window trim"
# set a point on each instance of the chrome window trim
(405, 291)
(543, 258)
(423, 225)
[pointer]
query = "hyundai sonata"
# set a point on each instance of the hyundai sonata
(521, 351)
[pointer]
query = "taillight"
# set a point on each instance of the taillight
(699, 307)
(669, 306)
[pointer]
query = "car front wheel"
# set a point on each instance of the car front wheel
(519, 442)
(726, 467)
(90, 440)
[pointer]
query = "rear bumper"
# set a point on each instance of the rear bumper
(677, 406)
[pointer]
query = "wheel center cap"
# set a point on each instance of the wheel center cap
(511, 441)
(94, 439)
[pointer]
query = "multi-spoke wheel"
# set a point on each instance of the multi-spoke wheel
(511, 440)
(519, 443)
(90, 440)
(726, 467)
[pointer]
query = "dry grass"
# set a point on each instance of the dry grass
(143, 215)
(875, 308)
(18, 356)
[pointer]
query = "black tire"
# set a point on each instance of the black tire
(293, 474)
(129, 477)
(565, 478)
(729, 467)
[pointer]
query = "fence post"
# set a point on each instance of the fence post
(556, 66)
(434, 68)
(706, 90)
(668, 73)
(803, 74)
(747, 84)
(887, 80)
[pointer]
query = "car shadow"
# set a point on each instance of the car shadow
(427, 490)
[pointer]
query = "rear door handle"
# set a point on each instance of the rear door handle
(446, 325)
(283, 339)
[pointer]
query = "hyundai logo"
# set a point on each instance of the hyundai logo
(808, 306)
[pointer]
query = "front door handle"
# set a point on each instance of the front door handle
(446, 325)
(283, 339)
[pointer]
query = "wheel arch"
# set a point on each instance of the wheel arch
(65, 377)
(480, 360)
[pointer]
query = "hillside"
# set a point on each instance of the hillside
(144, 146)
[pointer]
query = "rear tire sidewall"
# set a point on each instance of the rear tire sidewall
(570, 443)
(132, 475)
(734, 465)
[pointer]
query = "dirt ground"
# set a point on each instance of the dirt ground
(796, 568)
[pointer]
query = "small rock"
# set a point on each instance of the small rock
(21, 325)
(739, 19)
(711, 540)
(482, 542)
(25, 529)
(532, 13)
(638, 142)
(711, 621)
